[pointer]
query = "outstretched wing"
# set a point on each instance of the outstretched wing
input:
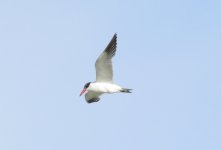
(104, 70)
(91, 97)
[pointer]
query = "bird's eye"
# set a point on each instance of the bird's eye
(87, 85)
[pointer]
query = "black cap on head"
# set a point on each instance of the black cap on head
(87, 85)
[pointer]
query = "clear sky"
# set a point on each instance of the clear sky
(169, 53)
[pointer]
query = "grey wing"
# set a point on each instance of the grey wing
(91, 97)
(104, 70)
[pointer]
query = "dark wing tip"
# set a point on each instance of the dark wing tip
(96, 99)
(112, 46)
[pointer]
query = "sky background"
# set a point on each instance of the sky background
(169, 53)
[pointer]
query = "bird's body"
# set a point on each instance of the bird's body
(104, 87)
(104, 75)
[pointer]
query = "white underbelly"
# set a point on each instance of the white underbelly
(104, 88)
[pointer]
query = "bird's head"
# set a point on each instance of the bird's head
(85, 88)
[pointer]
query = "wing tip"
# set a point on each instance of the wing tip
(115, 36)
(111, 47)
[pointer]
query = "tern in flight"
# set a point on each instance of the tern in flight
(104, 75)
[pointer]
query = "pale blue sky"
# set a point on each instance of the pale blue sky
(169, 52)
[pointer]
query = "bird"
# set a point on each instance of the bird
(104, 75)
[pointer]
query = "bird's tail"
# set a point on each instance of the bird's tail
(125, 90)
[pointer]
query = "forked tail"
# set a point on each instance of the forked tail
(125, 90)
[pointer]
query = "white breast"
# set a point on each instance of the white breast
(103, 87)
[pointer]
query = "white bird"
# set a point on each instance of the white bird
(104, 75)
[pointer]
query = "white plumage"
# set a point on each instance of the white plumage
(104, 75)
